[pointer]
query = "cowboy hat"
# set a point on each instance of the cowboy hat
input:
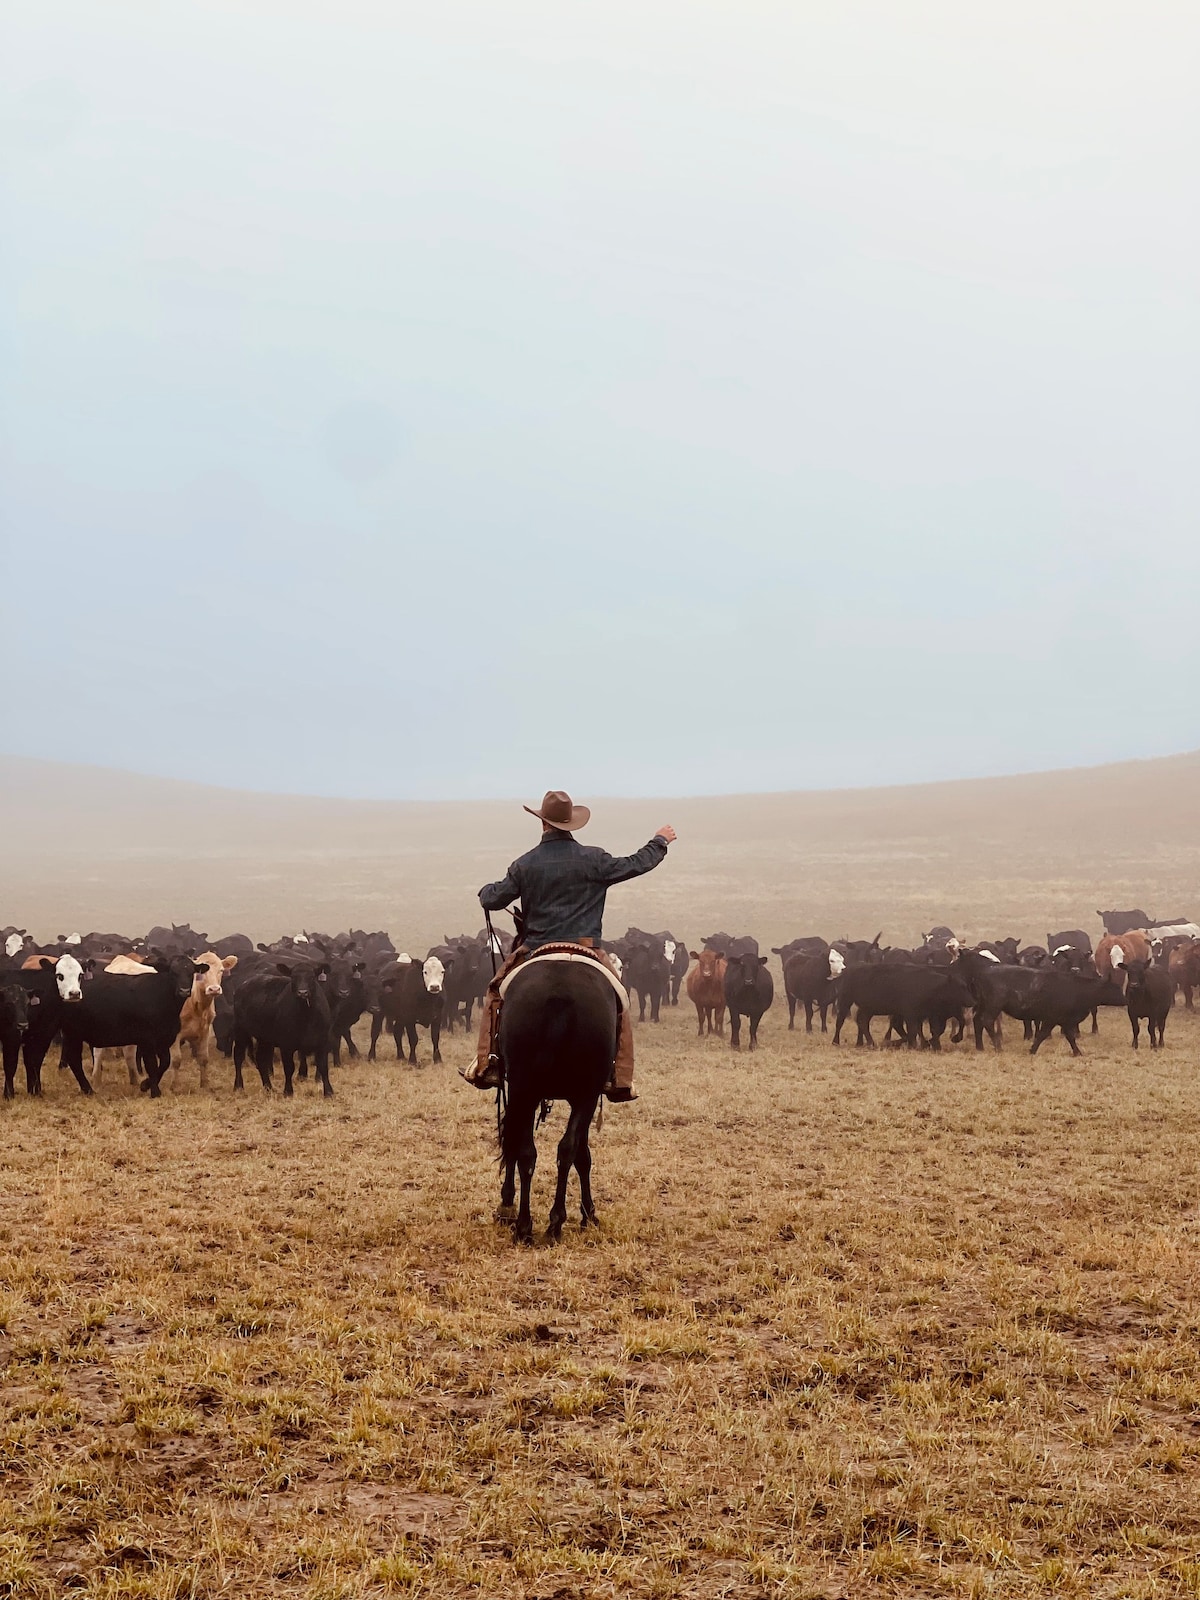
(558, 811)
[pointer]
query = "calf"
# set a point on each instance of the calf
(286, 1011)
(706, 991)
(1149, 993)
(410, 996)
(811, 981)
(749, 991)
(44, 999)
(198, 1010)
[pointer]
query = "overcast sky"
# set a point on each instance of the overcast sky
(464, 399)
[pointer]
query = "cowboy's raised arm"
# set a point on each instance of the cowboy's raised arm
(495, 896)
(618, 869)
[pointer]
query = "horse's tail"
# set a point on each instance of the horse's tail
(557, 1025)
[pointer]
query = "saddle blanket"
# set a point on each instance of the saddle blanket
(567, 955)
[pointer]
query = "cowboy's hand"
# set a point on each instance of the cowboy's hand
(666, 832)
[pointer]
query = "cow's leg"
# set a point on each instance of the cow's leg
(1095, 1019)
(700, 1020)
(864, 1029)
(264, 1060)
(12, 1049)
(321, 1067)
(843, 1011)
(71, 1058)
(808, 1015)
(157, 1061)
(1041, 1034)
(1071, 1034)
(1133, 1023)
(435, 1039)
(735, 1028)
(755, 1019)
(719, 1012)
(200, 1052)
(239, 1056)
(824, 1010)
(376, 1030)
(288, 1058)
(411, 1029)
(130, 1054)
(351, 1047)
(568, 1150)
(302, 1074)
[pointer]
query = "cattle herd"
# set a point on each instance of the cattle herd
(299, 998)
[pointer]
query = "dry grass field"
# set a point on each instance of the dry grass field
(853, 1323)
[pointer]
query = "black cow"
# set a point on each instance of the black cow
(1004, 950)
(288, 1011)
(908, 995)
(996, 988)
(722, 943)
(14, 1021)
(1076, 938)
(1122, 921)
(1033, 955)
(1061, 999)
(810, 980)
(408, 999)
(180, 938)
(45, 1000)
(142, 1011)
(749, 991)
(646, 971)
(860, 952)
(1149, 993)
(808, 945)
(233, 944)
(468, 969)
(346, 991)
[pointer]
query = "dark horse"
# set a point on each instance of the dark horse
(558, 1038)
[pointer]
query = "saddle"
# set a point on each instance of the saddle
(567, 952)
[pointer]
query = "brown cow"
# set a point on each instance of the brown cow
(1184, 969)
(706, 990)
(1116, 950)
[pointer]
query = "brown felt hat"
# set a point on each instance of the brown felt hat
(559, 812)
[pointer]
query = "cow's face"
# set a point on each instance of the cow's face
(68, 975)
(746, 967)
(16, 1002)
(302, 979)
(433, 973)
(669, 951)
(616, 963)
(207, 982)
(12, 944)
(708, 962)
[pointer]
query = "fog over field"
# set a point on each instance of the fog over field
(108, 850)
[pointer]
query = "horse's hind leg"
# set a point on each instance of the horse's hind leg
(568, 1157)
(519, 1146)
(583, 1166)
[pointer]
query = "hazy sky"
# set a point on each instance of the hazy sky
(468, 398)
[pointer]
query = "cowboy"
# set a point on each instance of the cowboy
(562, 885)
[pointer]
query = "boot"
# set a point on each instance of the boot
(620, 1088)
